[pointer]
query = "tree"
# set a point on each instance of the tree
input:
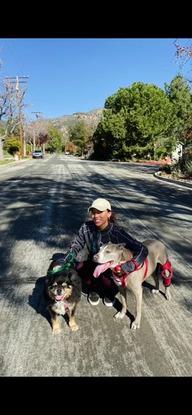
(12, 145)
(150, 114)
(11, 106)
(179, 93)
(133, 120)
(183, 51)
(36, 133)
(109, 135)
(80, 134)
(54, 140)
(4, 109)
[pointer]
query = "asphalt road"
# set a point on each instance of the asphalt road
(42, 205)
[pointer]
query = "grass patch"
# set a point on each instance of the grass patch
(2, 162)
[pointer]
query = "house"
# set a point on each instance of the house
(177, 153)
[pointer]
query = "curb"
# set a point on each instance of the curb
(177, 182)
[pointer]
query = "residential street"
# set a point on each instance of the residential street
(42, 205)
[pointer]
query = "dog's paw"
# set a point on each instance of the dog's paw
(167, 295)
(135, 325)
(119, 314)
(73, 326)
(56, 330)
(154, 291)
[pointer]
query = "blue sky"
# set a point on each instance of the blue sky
(77, 75)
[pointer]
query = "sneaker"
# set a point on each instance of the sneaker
(108, 302)
(84, 292)
(93, 298)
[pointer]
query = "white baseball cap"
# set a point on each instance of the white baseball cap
(100, 204)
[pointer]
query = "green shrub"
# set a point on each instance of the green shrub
(188, 168)
(166, 169)
(12, 145)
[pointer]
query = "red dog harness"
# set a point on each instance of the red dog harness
(162, 272)
(120, 277)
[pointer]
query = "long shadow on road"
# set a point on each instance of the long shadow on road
(50, 211)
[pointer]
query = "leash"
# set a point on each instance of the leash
(61, 266)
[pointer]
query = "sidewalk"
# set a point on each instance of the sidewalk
(181, 182)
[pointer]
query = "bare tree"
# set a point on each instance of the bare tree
(184, 53)
(37, 133)
(183, 50)
(11, 110)
(5, 110)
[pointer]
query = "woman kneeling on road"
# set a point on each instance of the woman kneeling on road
(94, 233)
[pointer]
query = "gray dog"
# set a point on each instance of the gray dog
(112, 255)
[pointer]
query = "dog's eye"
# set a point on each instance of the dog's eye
(54, 284)
(68, 286)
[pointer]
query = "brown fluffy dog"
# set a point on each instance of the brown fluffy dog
(64, 292)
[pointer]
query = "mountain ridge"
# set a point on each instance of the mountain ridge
(91, 118)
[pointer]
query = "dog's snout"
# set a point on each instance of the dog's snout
(59, 291)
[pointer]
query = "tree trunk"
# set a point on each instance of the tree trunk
(33, 140)
(24, 144)
(1, 149)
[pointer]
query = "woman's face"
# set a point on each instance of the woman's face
(100, 219)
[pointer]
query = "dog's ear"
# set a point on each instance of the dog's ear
(46, 280)
(49, 281)
(75, 279)
(122, 245)
(127, 255)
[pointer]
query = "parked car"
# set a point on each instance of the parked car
(37, 154)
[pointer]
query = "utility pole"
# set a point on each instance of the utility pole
(38, 115)
(19, 94)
